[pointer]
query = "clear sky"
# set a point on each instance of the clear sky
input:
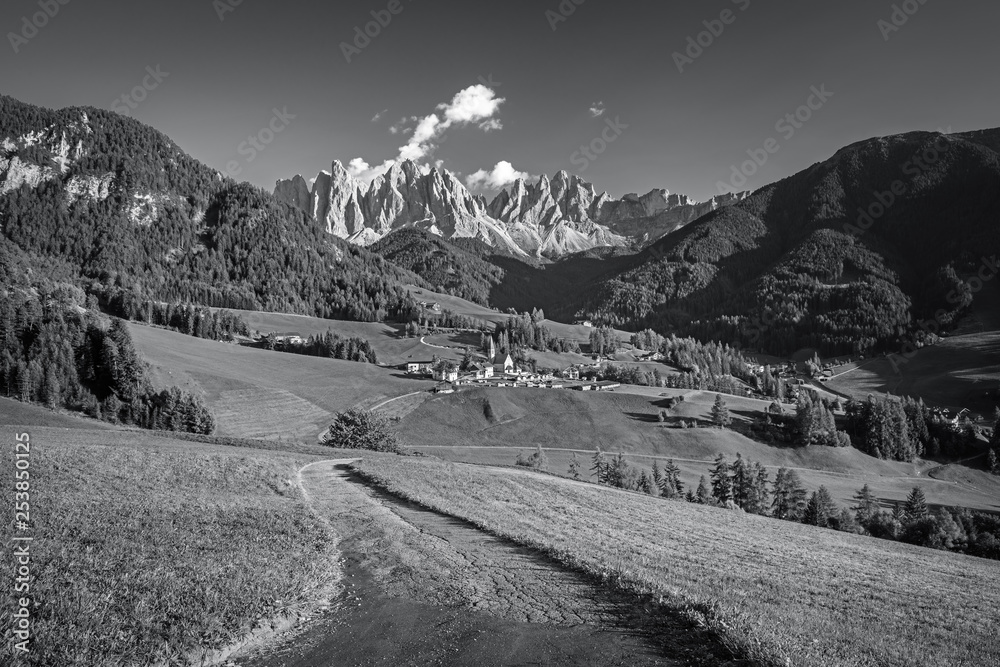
(223, 77)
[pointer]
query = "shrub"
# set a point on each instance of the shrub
(360, 429)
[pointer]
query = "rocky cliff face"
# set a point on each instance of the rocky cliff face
(549, 218)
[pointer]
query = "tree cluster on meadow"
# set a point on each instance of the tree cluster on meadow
(328, 345)
(902, 429)
(527, 331)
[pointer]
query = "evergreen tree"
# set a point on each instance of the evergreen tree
(867, 506)
(467, 360)
(599, 467)
(741, 481)
(789, 496)
(821, 509)
(703, 495)
(720, 413)
(657, 475)
(916, 505)
(722, 488)
(994, 462)
(645, 483)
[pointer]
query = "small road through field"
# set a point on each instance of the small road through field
(385, 403)
(425, 588)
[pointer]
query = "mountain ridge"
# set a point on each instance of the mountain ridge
(549, 218)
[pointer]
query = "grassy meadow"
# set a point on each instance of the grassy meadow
(456, 427)
(259, 394)
(774, 590)
(149, 550)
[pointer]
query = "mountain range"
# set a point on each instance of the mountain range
(871, 250)
(548, 218)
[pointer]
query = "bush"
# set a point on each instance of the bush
(359, 429)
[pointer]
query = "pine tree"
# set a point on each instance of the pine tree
(702, 495)
(722, 488)
(657, 475)
(600, 467)
(994, 462)
(741, 482)
(619, 472)
(916, 505)
(821, 509)
(720, 413)
(867, 506)
(645, 484)
(789, 496)
(759, 501)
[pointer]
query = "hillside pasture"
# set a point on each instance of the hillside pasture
(460, 427)
(259, 394)
(15, 413)
(956, 373)
(389, 341)
(775, 590)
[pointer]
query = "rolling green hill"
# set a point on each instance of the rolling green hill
(260, 394)
(461, 427)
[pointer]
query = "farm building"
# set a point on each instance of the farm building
(417, 367)
(443, 374)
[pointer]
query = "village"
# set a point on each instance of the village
(500, 370)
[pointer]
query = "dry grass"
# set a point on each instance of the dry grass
(778, 591)
(148, 548)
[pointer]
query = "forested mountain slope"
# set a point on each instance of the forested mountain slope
(136, 218)
(847, 256)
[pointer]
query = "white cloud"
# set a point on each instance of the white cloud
(477, 104)
(377, 117)
(503, 174)
(363, 171)
(491, 125)
(597, 109)
(472, 105)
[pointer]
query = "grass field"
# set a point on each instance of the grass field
(575, 332)
(260, 394)
(776, 590)
(388, 340)
(456, 427)
(15, 413)
(956, 373)
(147, 548)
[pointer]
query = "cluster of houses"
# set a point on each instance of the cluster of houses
(503, 372)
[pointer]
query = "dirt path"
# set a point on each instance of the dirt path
(423, 588)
